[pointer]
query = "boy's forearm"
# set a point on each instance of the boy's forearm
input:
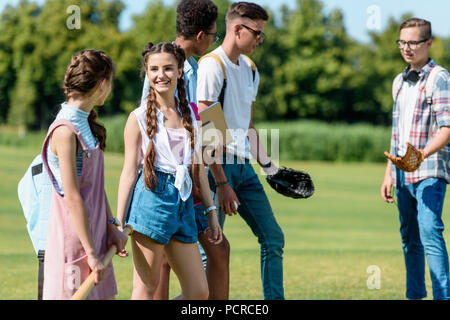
(257, 150)
(217, 172)
(438, 142)
(387, 172)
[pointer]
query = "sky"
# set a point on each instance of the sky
(360, 16)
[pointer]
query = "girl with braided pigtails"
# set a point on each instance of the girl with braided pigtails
(160, 137)
(80, 224)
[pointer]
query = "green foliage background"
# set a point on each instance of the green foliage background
(310, 67)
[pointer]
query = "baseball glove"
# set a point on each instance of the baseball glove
(291, 183)
(410, 161)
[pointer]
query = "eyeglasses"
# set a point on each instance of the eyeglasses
(411, 44)
(257, 33)
(216, 37)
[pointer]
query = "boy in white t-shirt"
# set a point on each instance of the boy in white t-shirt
(234, 181)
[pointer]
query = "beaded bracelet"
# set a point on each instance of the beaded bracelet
(208, 210)
(114, 221)
(221, 183)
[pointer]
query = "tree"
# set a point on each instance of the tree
(18, 29)
(268, 56)
(309, 66)
(58, 43)
(8, 25)
(156, 24)
(34, 66)
(313, 79)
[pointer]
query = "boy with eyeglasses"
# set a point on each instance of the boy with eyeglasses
(421, 193)
(235, 185)
(195, 32)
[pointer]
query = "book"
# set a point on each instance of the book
(214, 129)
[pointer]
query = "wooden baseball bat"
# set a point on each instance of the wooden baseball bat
(86, 287)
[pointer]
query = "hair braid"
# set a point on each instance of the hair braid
(98, 130)
(150, 156)
(85, 70)
(187, 123)
(152, 127)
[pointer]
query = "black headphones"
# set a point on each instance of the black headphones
(411, 76)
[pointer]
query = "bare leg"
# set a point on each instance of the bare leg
(147, 258)
(217, 267)
(186, 262)
(162, 291)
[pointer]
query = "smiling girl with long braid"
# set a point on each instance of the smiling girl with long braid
(160, 136)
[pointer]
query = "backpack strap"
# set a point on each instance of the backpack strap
(396, 86)
(252, 65)
(219, 61)
(431, 81)
(53, 126)
(429, 85)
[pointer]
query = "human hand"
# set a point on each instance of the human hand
(386, 187)
(97, 267)
(118, 238)
(228, 200)
(215, 234)
(410, 161)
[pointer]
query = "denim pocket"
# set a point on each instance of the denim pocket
(160, 186)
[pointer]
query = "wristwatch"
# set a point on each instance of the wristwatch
(267, 165)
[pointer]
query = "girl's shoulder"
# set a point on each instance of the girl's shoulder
(63, 128)
(139, 110)
(63, 132)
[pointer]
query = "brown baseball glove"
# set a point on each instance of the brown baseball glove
(410, 161)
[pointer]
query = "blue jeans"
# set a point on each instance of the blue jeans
(255, 209)
(420, 207)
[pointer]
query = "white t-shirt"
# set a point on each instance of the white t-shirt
(407, 99)
(240, 93)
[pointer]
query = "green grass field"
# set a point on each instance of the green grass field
(331, 238)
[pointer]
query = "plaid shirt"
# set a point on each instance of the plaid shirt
(426, 121)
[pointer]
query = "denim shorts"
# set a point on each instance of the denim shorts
(161, 214)
(200, 218)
